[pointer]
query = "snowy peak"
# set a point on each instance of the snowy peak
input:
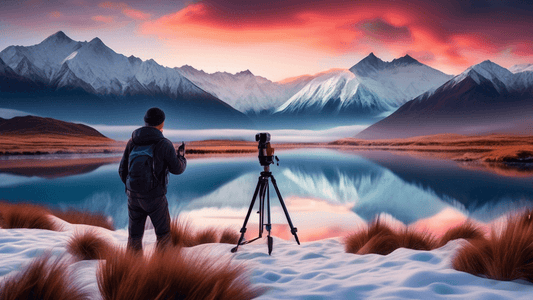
(368, 65)
(521, 68)
(405, 61)
(501, 78)
(58, 38)
(372, 64)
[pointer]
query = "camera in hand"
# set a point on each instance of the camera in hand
(266, 152)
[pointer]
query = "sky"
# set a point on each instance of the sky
(279, 39)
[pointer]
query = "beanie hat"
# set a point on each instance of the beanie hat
(154, 116)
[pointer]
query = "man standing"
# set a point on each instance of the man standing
(144, 169)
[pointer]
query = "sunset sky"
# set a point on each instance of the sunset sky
(281, 39)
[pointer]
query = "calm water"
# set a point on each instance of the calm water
(325, 190)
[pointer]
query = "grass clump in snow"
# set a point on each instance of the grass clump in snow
(25, 215)
(183, 234)
(170, 274)
(467, 230)
(85, 217)
(506, 255)
(380, 238)
(45, 278)
(88, 245)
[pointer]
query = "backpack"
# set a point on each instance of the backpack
(141, 169)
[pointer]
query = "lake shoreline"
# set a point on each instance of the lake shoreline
(508, 155)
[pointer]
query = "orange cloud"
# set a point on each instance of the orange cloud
(55, 14)
(445, 36)
(126, 10)
(103, 19)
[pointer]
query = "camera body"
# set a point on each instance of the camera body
(266, 152)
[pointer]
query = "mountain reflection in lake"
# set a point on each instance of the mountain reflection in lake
(327, 192)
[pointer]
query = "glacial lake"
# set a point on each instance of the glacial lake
(327, 192)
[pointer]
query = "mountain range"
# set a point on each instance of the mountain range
(89, 82)
(485, 98)
(62, 77)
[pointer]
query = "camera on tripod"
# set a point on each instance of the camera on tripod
(266, 152)
(262, 192)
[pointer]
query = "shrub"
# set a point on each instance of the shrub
(505, 255)
(25, 215)
(88, 245)
(85, 217)
(45, 278)
(466, 230)
(170, 274)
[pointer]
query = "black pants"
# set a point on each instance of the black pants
(138, 210)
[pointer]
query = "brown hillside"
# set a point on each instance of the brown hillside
(32, 125)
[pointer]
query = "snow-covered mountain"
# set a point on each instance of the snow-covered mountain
(521, 68)
(369, 88)
(485, 98)
(94, 70)
(244, 91)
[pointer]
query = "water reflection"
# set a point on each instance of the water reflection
(327, 192)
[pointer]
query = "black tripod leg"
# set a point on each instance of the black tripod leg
(243, 229)
(293, 229)
(270, 241)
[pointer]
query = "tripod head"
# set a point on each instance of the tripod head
(266, 152)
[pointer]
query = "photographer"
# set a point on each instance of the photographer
(144, 169)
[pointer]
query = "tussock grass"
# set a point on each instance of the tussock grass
(85, 217)
(467, 230)
(381, 238)
(25, 215)
(170, 274)
(206, 236)
(88, 245)
(183, 234)
(506, 255)
(229, 236)
(45, 278)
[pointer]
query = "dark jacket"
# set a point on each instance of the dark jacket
(165, 159)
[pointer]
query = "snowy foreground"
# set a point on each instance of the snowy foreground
(313, 270)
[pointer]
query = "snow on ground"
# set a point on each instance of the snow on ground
(312, 270)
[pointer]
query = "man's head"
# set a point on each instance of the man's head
(154, 117)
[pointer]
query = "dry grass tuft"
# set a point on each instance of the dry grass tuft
(85, 217)
(206, 236)
(380, 238)
(505, 255)
(25, 215)
(229, 236)
(181, 233)
(466, 230)
(45, 278)
(416, 240)
(171, 275)
(88, 245)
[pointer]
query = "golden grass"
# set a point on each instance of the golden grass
(45, 278)
(85, 217)
(506, 255)
(88, 245)
(25, 215)
(170, 274)
(467, 230)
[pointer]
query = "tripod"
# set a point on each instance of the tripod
(263, 190)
